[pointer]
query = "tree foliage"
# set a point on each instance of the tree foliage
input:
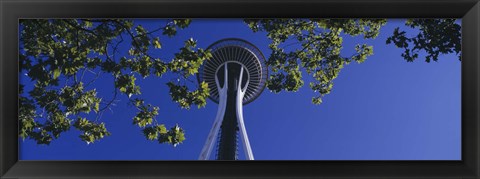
(320, 42)
(57, 54)
(436, 36)
(319, 54)
(63, 58)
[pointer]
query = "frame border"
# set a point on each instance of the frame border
(12, 10)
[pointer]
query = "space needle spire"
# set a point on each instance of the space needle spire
(236, 75)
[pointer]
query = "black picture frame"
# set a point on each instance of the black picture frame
(12, 10)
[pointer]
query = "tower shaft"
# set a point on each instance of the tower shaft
(227, 148)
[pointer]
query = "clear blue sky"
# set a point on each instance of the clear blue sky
(382, 109)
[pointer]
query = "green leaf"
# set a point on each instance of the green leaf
(56, 73)
(150, 133)
(161, 129)
(156, 43)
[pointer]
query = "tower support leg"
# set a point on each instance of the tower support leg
(222, 109)
(243, 132)
(209, 144)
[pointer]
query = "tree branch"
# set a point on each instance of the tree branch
(80, 28)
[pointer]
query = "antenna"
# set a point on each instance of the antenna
(236, 76)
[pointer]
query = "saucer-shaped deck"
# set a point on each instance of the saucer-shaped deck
(238, 51)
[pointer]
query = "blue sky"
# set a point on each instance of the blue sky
(382, 109)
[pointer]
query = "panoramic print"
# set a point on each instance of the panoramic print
(239, 89)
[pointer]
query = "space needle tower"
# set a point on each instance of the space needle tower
(236, 75)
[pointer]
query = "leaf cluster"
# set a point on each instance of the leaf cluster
(91, 132)
(64, 57)
(188, 60)
(312, 46)
(174, 136)
(145, 119)
(185, 98)
(435, 37)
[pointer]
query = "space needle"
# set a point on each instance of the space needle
(236, 75)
